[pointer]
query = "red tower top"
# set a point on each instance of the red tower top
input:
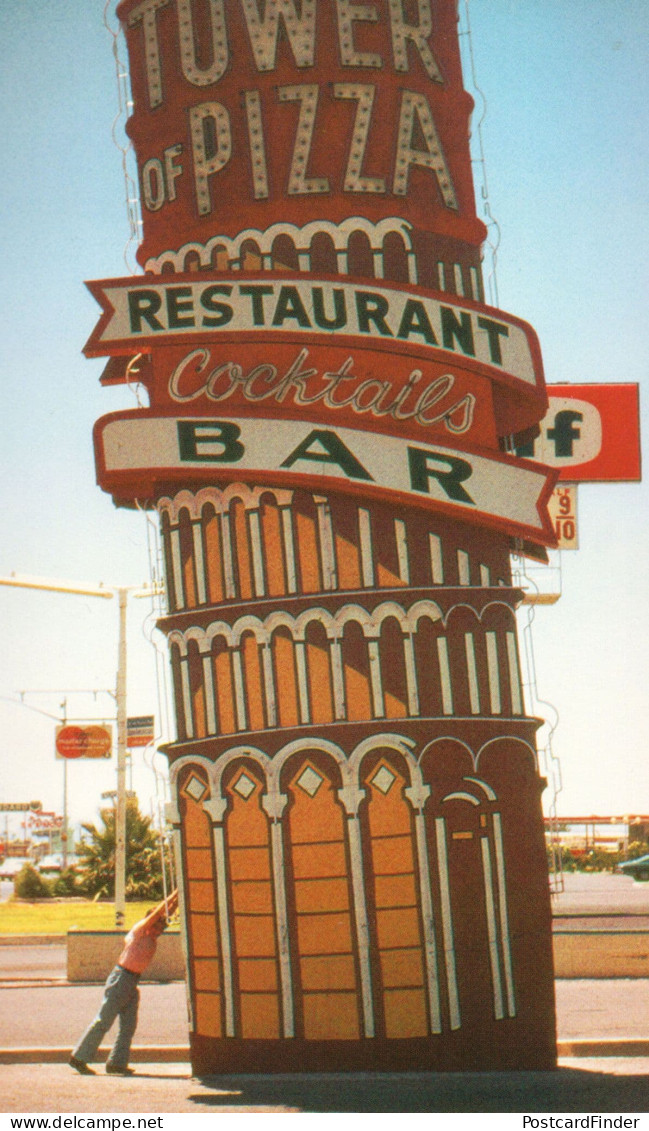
(312, 252)
(296, 112)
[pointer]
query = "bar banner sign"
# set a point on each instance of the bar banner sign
(135, 450)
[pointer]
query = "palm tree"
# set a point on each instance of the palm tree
(143, 863)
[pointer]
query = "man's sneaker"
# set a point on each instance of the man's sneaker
(81, 1067)
(113, 1070)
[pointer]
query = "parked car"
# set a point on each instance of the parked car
(638, 868)
(10, 867)
(50, 865)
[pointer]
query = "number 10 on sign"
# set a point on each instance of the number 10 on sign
(562, 507)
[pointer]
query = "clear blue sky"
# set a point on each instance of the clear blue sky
(565, 137)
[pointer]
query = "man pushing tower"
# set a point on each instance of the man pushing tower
(121, 993)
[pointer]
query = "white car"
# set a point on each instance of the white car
(10, 868)
(50, 864)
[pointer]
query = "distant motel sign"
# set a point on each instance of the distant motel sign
(20, 806)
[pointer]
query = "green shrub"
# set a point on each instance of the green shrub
(65, 883)
(29, 884)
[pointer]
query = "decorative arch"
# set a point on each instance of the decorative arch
(323, 258)
(221, 252)
(395, 258)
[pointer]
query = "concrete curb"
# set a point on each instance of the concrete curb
(604, 1046)
(161, 1054)
(31, 940)
(598, 1048)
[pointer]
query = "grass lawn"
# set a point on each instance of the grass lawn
(51, 918)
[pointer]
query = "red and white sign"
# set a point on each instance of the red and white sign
(312, 160)
(355, 388)
(136, 450)
(591, 433)
(292, 112)
(139, 731)
(562, 508)
(229, 328)
(73, 742)
(143, 312)
(45, 821)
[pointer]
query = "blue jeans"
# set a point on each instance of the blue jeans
(121, 997)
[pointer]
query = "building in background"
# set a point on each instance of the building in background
(333, 412)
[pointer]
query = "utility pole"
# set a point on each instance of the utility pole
(120, 807)
(64, 831)
(122, 593)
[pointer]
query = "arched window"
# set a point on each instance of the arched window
(219, 258)
(273, 546)
(307, 543)
(241, 549)
(176, 674)
(284, 253)
(253, 681)
(467, 663)
(347, 545)
(394, 898)
(395, 259)
(165, 529)
(360, 260)
(356, 670)
(250, 256)
(213, 555)
(323, 254)
(318, 661)
(186, 536)
(286, 690)
(197, 689)
(321, 901)
(224, 686)
(192, 261)
(393, 669)
(427, 663)
(254, 935)
(199, 887)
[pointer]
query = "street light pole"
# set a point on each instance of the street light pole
(58, 586)
(120, 807)
(64, 833)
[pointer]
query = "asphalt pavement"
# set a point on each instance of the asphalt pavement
(591, 1086)
(603, 1047)
(37, 1015)
(40, 1023)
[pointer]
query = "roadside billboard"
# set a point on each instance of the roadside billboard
(72, 742)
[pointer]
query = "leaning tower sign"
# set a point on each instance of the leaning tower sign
(332, 408)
